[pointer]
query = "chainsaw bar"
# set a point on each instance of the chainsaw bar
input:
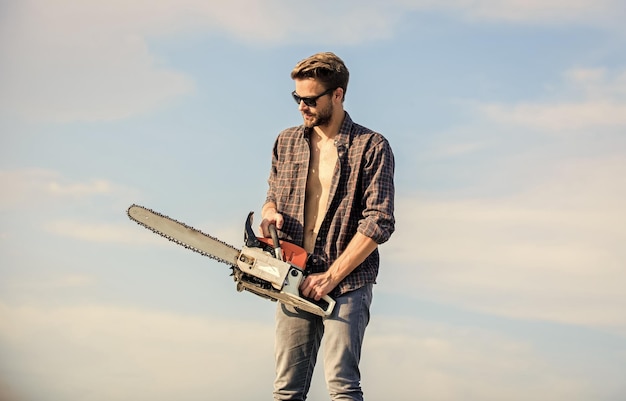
(253, 269)
(184, 235)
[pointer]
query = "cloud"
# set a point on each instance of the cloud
(118, 353)
(76, 61)
(109, 353)
(425, 360)
(533, 225)
(602, 104)
(560, 117)
(90, 61)
(44, 197)
(25, 187)
(63, 282)
(553, 251)
(127, 233)
(535, 11)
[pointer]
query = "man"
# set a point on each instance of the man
(330, 191)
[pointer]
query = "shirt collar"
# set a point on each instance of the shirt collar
(343, 137)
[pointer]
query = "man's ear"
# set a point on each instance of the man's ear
(339, 94)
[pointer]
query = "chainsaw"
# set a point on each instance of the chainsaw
(268, 267)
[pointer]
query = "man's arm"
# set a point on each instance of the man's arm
(317, 285)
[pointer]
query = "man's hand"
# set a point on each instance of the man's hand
(317, 285)
(270, 216)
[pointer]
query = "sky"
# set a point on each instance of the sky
(504, 279)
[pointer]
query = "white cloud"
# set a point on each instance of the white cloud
(91, 188)
(115, 353)
(128, 232)
(597, 83)
(560, 117)
(408, 359)
(542, 235)
(525, 11)
(103, 232)
(540, 10)
(593, 99)
(73, 61)
(62, 282)
(552, 252)
(25, 187)
(89, 61)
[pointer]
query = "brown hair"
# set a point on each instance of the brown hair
(326, 67)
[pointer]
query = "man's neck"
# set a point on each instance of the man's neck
(331, 130)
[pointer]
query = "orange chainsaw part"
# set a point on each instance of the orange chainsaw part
(292, 253)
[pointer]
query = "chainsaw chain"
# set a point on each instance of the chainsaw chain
(178, 242)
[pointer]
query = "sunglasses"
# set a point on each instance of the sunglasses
(310, 101)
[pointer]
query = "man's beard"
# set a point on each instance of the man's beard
(322, 117)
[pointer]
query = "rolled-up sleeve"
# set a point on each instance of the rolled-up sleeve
(378, 222)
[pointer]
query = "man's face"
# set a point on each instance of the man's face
(321, 113)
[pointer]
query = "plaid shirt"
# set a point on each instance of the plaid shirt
(361, 196)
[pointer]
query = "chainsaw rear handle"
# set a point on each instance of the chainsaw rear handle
(326, 303)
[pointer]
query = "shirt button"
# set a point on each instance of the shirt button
(318, 239)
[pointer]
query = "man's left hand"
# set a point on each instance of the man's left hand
(317, 285)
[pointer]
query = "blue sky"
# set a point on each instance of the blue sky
(504, 280)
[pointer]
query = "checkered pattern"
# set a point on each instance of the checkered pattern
(361, 196)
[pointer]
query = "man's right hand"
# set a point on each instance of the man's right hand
(270, 216)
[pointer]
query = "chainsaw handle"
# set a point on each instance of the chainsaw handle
(331, 305)
(278, 253)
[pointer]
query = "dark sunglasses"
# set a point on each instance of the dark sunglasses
(310, 101)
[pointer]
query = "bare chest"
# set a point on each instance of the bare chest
(322, 165)
(321, 170)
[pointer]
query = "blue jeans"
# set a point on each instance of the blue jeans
(298, 338)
